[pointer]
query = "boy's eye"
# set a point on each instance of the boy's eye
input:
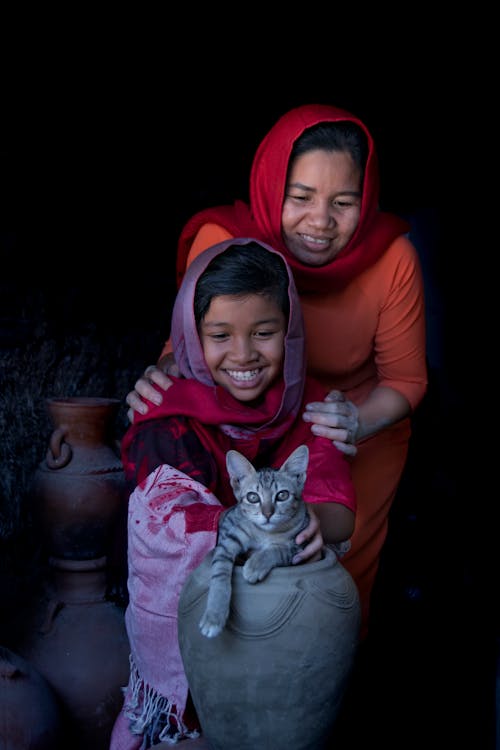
(218, 336)
(264, 334)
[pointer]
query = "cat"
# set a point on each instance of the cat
(269, 514)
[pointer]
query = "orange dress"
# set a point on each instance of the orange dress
(350, 337)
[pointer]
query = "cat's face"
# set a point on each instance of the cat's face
(269, 502)
(269, 497)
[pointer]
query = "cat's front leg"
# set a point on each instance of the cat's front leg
(262, 561)
(217, 608)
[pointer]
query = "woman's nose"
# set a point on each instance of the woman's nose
(320, 214)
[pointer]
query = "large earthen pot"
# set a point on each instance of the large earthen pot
(275, 677)
(78, 642)
(79, 488)
(30, 714)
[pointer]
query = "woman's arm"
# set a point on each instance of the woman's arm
(399, 350)
(345, 424)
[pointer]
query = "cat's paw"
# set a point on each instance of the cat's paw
(254, 570)
(212, 624)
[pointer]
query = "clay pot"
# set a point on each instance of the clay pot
(275, 676)
(31, 718)
(79, 488)
(79, 643)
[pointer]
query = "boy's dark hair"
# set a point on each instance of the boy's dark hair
(241, 270)
(334, 136)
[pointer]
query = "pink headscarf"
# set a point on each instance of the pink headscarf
(275, 422)
(189, 354)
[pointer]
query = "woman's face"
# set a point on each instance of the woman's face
(243, 340)
(322, 205)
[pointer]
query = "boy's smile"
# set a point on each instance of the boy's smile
(243, 340)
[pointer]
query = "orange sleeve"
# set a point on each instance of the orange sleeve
(400, 341)
(208, 235)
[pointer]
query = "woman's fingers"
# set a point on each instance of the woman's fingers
(336, 419)
(145, 389)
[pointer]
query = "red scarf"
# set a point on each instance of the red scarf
(275, 426)
(262, 217)
(209, 407)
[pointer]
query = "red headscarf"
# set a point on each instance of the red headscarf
(276, 423)
(262, 218)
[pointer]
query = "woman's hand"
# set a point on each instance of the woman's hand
(337, 419)
(144, 388)
(314, 541)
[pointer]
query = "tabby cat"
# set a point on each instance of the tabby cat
(268, 516)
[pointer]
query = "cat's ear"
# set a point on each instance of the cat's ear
(296, 463)
(238, 468)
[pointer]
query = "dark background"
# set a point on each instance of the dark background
(101, 165)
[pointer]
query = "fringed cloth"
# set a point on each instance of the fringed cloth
(172, 525)
(151, 715)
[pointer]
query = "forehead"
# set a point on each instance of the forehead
(321, 168)
(236, 309)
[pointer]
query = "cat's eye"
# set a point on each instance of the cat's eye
(282, 495)
(253, 497)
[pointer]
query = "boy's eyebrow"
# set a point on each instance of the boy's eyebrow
(218, 323)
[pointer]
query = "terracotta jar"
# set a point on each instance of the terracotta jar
(78, 642)
(79, 488)
(30, 713)
(276, 675)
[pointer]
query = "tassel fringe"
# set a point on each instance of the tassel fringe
(151, 715)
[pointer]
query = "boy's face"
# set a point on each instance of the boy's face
(243, 339)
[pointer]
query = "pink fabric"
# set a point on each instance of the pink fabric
(191, 361)
(172, 525)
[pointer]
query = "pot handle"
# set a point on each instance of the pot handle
(59, 453)
(53, 608)
(7, 668)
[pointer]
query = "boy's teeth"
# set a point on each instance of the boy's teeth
(238, 375)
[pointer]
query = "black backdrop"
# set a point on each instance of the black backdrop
(96, 183)
(114, 167)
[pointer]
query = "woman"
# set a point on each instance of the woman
(314, 192)
(238, 339)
